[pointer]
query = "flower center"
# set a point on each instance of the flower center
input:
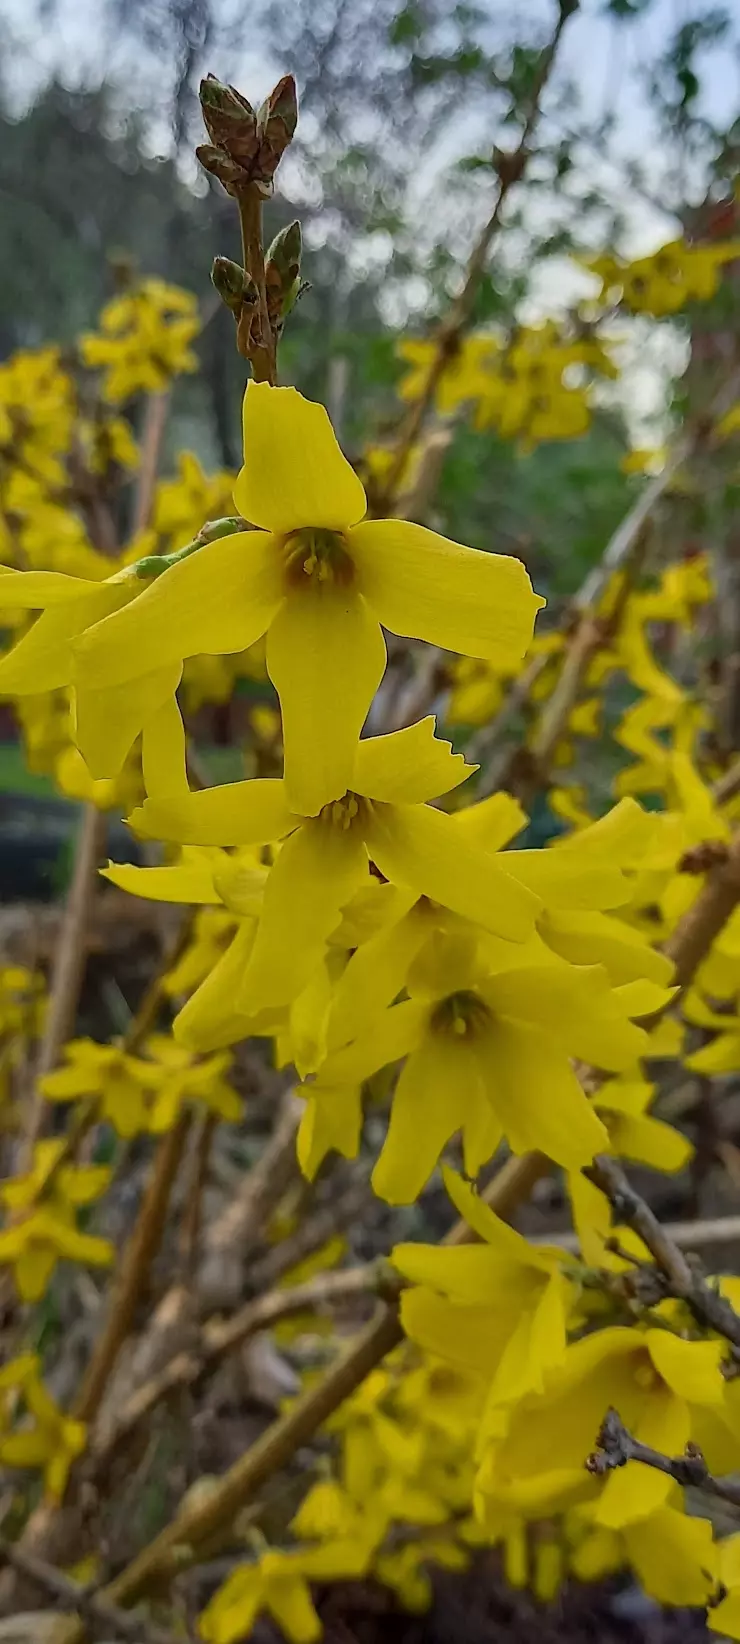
(315, 556)
(463, 1014)
(341, 813)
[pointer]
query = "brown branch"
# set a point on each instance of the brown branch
(701, 925)
(260, 350)
(219, 1338)
(615, 1446)
(682, 1279)
(155, 423)
(510, 170)
(687, 1235)
(228, 1239)
(70, 1595)
(67, 971)
(134, 1270)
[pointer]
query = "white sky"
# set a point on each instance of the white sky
(604, 57)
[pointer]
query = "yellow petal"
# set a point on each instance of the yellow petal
(211, 1018)
(492, 822)
(237, 813)
(427, 1108)
(289, 1600)
(385, 1039)
(420, 847)
(565, 880)
(316, 872)
(43, 659)
(425, 587)
(409, 766)
(575, 1007)
(220, 599)
(190, 881)
(163, 759)
(33, 1270)
(332, 1119)
(34, 590)
(674, 1557)
(690, 1368)
(507, 1243)
(469, 1337)
(108, 720)
(294, 474)
(374, 977)
(519, 1062)
(326, 658)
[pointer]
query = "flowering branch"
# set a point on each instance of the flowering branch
(615, 1446)
(680, 1277)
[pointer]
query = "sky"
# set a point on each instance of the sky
(604, 58)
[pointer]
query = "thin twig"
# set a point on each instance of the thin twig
(134, 1269)
(70, 1595)
(67, 972)
(687, 1235)
(511, 169)
(682, 1278)
(219, 1338)
(155, 423)
(615, 1446)
(260, 352)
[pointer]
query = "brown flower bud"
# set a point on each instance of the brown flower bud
(276, 123)
(228, 118)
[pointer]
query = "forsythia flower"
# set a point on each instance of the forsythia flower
(43, 1233)
(657, 1381)
(319, 583)
(277, 1583)
(144, 339)
(482, 1037)
(53, 1441)
(324, 859)
(499, 1307)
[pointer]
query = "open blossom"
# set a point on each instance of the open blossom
(324, 859)
(319, 579)
(484, 1038)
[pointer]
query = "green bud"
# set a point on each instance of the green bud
(224, 109)
(231, 282)
(285, 250)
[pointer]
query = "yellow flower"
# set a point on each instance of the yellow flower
(324, 859)
(724, 1618)
(34, 1245)
(144, 339)
(43, 660)
(118, 1082)
(654, 1379)
(277, 1583)
(319, 583)
(52, 1442)
(483, 1037)
(498, 1307)
(673, 1556)
(181, 1078)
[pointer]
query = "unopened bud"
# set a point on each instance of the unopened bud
(225, 111)
(230, 282)
(220, 164)
(568, 7)
(276, 123)
(283, 271)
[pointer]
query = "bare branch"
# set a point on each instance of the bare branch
(615, 1446)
